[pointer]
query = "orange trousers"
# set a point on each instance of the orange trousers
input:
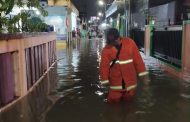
(117, 96)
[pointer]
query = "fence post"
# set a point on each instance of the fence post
(47, 55)
(186, 47)
(67, 37)
(22, 68)
(16, 73)
(147, 41)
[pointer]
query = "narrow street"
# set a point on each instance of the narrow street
(50, 53)
(79, 97)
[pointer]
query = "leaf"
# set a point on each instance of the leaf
(10, 7)
(4, 5)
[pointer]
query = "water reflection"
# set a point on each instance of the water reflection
(33, 106)
(164, 100)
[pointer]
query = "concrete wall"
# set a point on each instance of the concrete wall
(31, 57)
(163, 13)
(154, 3)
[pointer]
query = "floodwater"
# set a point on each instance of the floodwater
(80, 98)
(72, 93)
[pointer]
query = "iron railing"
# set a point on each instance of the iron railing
(138, 36)
(167, 46)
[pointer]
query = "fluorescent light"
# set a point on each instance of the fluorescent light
(99, 14)
(101, 2)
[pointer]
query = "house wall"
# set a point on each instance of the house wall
(57, 18)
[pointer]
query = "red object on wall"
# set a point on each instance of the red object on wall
(67, 23)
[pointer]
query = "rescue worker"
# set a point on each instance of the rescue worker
(120, 65)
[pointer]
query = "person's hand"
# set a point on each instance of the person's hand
(103, 85)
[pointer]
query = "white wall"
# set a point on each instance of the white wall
(57, 18)
(74, 20)
(58, 22)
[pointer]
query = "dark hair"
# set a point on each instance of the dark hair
(112, 35)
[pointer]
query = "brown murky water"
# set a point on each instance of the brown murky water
(167, 99)
(78, 97)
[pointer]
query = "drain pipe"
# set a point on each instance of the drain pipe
(128, 16)
(125, 8)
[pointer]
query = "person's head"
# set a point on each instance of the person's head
(112, 36)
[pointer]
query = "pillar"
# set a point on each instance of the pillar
(186, 47)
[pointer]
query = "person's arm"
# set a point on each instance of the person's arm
(139, 65)
(104, 67)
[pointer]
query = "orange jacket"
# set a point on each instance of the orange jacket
(129, 65)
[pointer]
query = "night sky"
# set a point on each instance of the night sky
(89, 6)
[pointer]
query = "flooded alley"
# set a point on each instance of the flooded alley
(70, 92)
(53, 69)
(78, 96)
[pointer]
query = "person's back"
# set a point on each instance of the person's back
(126, 64)
(78, 32)
(94, 33)
(83, 33)
(73, 33)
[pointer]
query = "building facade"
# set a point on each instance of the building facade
(63, 16)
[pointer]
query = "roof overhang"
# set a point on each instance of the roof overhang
(65, 3)
(58, 2)
(115, 6)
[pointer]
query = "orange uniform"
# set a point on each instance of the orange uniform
(126, 68)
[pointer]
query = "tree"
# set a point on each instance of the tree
(12, 23)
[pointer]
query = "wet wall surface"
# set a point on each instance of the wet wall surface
(74, 95)
(79, 98)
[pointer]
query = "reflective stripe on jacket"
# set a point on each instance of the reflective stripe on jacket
(121, 88)
(127, 67)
